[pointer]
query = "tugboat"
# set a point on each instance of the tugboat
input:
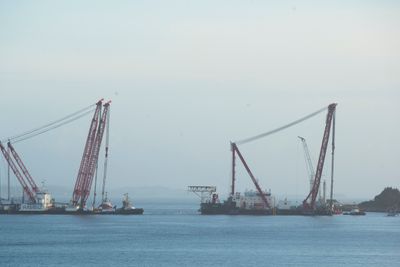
(106, 206)
(128, 208)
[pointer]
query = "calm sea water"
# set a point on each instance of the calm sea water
(174, 235)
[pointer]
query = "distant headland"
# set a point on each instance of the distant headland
(387, 200)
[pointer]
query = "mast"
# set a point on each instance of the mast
(333, 159)
(88, 179)
(233, 169)
(262, 195)
(25, 187)
(307, 157)
(87, 154)
(106, 157)
(8, 176)
(95, 186)
(325, 142)
(23, 168)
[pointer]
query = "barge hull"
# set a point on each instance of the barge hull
(137, 211)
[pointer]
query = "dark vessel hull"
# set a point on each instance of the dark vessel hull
(135, 211)
(62, 211)
(289, 212)
(229, 208)
(359, 213)
(317, 213)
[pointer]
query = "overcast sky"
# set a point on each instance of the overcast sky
(187, 77)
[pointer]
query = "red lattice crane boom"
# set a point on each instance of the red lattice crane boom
(87, 154)
(88, 179)
(19, 176)
(312, 196)
(236, 150)
(25, 171)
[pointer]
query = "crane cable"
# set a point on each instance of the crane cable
(250, 139)
(50, 126)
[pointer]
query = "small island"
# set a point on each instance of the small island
(387, 201)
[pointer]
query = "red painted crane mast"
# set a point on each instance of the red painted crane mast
(312, 196)
(87, 153)
(23, 168)
(28, 191)
(235, 150)
(90, 155)
(95, 156)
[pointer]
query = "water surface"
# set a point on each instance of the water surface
(173, 234)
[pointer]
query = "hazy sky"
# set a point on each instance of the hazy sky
(187, 77)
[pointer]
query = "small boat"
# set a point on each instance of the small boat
(354, 212)
(106, 207)
(128, 208)
(392, 213)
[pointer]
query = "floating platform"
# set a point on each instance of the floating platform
(62, 211)
(230, 208)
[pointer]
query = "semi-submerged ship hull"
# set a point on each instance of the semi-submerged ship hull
(135, 211)
(229, 208)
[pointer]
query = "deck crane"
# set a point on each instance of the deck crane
(28, 191)
(312, 196)
(235, 150)
(14, 161)
(316, 181)
(87, 152)
(25, 171)
(311, 172)
(308, 159)
(95, 156)
(90, 156)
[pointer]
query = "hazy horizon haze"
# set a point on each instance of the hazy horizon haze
(187, 77)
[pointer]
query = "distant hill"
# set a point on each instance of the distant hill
(63, 193)
(388, 199)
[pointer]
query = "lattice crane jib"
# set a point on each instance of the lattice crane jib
(22, 166)
(312, 196)
(88, 179)
(17, 173)
(235, 150)
(87, 153)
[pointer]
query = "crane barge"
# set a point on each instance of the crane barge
(39, 201)
(259, 202)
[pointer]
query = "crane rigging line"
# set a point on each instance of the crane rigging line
(250, 139)
(44, 130)
(50, 126)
